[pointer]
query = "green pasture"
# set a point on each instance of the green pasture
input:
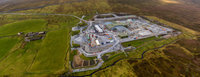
(19, 62)
(6, 44)
(72, 54)
(51, 56)
(138, 42)
(22, 26)
(87, 58)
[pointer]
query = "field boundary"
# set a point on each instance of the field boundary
(34, 57)
(12, 52)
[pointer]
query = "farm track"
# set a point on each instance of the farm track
(24, 43)
(37, 53)
(34, 57)
(12, 52)
(8, 36)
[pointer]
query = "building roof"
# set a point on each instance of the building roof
(117, 24)
(110, 26)
(98, 28)
(97, 42)
(123, 35)
(145, 32)
(107, 23)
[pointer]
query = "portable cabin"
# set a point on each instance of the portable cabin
(97, 42)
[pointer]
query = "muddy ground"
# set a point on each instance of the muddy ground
(78, 62)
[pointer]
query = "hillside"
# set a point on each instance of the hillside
(176, 56)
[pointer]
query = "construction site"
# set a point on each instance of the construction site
(107, 32)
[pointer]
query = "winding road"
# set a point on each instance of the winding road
(45, 14)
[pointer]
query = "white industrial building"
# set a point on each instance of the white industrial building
(98, 28)
(144, 33)
(139, 29)
(97, 42)
(154, 30)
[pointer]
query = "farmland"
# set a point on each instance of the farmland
(50, 56)
(22, 26)
(18, 62)
(55, 46)
(6, 45)
(139, 42)
(26, 58)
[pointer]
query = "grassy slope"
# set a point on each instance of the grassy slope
(6, 45)
(72, 54)
(76, 8)
(184, 29)
(51, 57)
(80, 12)
(137, 54)
(87, 58)
(139, 42)
(17, 63)
(22, 26)
(150, 64)
(4, 6)
(6, 19)
(121, 69)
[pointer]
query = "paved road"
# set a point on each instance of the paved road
(46, 14)
(113, 18)
(90, 25)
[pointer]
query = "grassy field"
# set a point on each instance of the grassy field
(160, 62)
(5, 19)
(138, 42)
(121, 68)
(87, 58)
(23, 62)
(22, 26)
(164, 9)
(75, 32)
(72, 54)
(6, 45)
(50, 58)
(18, 63)
(54, 47)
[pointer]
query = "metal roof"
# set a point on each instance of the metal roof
(144, 32)
(110, 26)
(107, 23)
(117, 24)
(123, 35)
(98, 28)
